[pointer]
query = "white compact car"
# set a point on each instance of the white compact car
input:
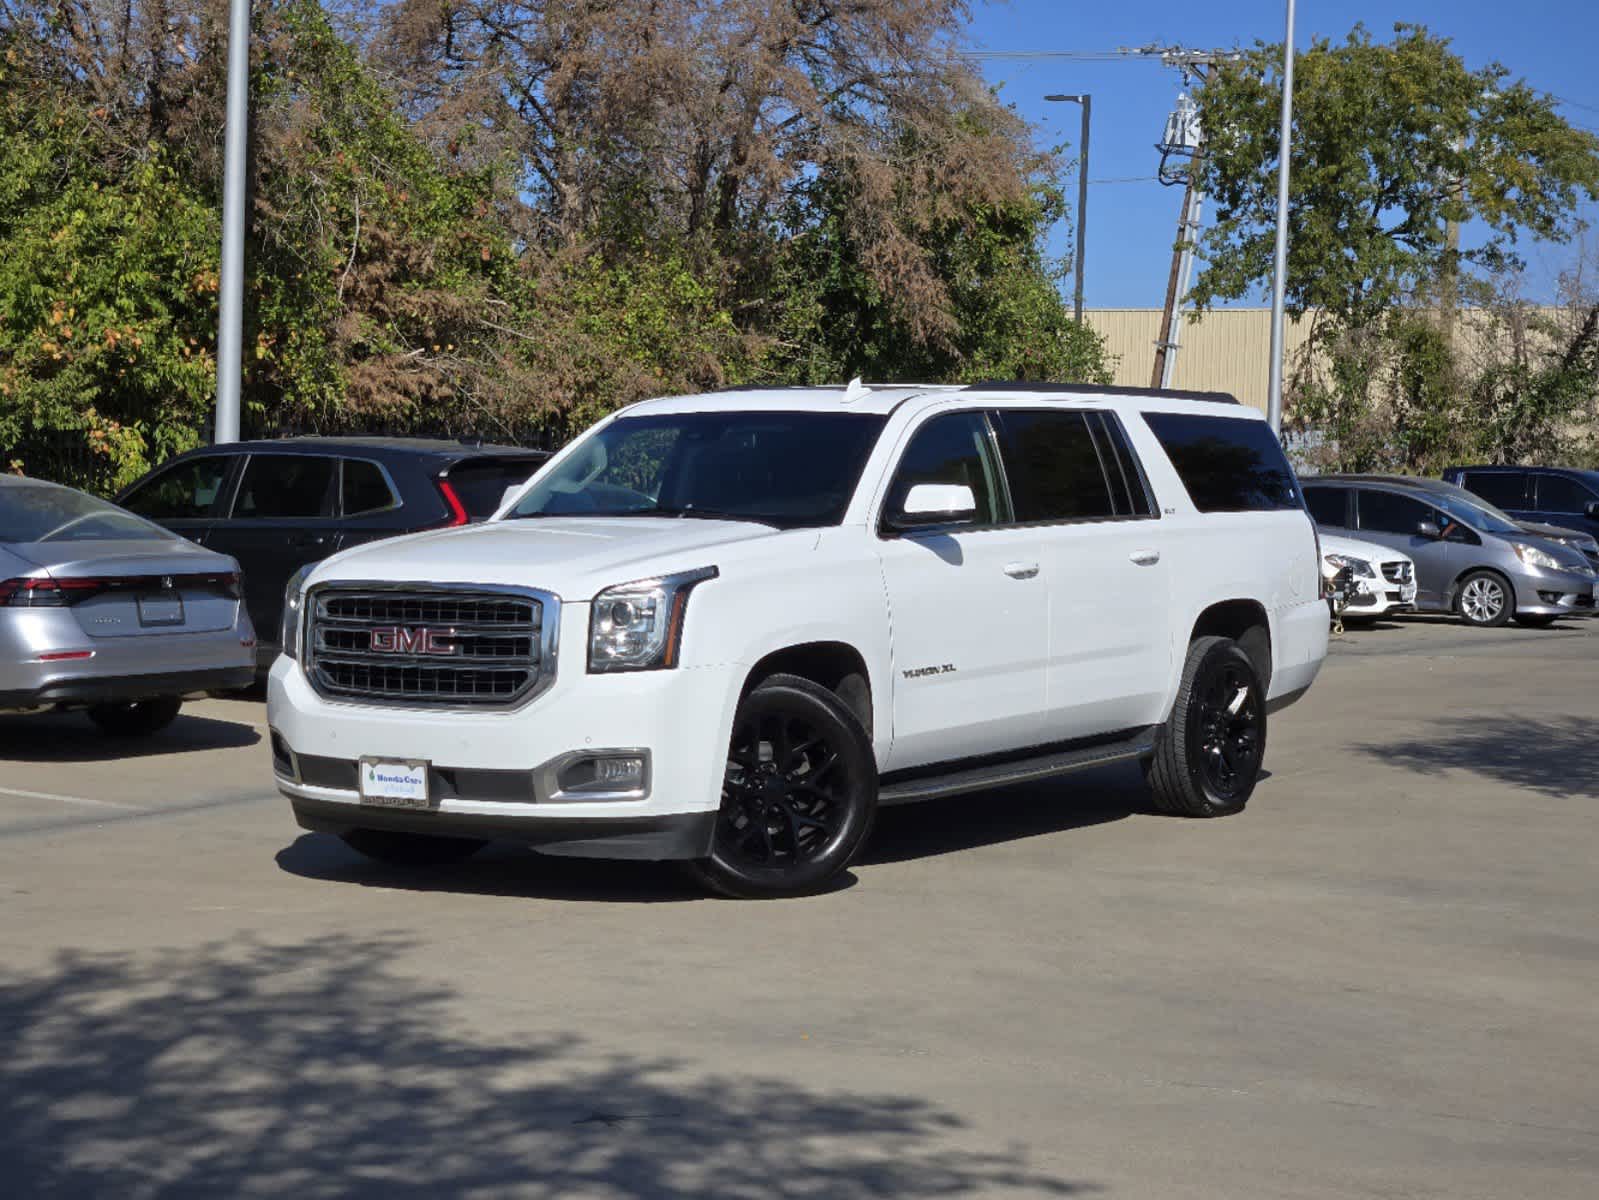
(725, 628)
(1384, 578)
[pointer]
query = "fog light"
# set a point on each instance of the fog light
(620, 771)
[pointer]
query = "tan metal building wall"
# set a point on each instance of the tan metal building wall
(1226, 350)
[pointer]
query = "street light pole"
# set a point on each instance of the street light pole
(230, 320)
(1279, 275)
(1087, 102)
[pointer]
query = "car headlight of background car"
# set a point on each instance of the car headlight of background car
(1535, 557)
(289, 633)
(639, 626)
(1359, 566)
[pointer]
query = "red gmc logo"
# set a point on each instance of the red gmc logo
(398, 639)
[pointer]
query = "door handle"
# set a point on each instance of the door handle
(1021, 570)
(311, 539)
(1145, 558)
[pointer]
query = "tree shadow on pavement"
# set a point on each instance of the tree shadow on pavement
(70, 738)
(318, 1070)
(1558, 757)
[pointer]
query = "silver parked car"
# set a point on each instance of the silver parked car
(102, 610)
(1470, 558)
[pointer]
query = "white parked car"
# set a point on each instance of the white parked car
(1384, 578)
(725, 628)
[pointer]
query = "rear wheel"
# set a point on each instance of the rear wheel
(136, 718)
(798, 796)
(1208, 754)
(1485, 600)
(410, 849)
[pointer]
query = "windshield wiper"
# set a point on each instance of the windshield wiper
(696, 513)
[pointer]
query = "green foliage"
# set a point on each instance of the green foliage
(1392, 142)
(107, 292)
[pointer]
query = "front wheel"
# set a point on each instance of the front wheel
(798, 796)
(1485, 600)
(1208, 754)
(136, 718)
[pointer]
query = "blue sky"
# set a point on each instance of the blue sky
(1131, 225)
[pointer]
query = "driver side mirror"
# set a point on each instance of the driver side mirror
(1429, 529)
(928, 504)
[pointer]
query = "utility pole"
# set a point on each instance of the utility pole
(1087, 102)
(1184, 141)
(1279, 274)
(230, 319)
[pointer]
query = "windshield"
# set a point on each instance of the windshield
(1477, 513)
(787, 469)
(44, 512)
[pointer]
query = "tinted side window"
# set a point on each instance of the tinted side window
(1129, 490)
(953, 448)
(186, 490)
(1389, 512)
(1558, 494)
(284, 485)
(1507, 489)
(365, 489)
(1053, 466)
(1328, 505)
(481, 485)
(1228, 464)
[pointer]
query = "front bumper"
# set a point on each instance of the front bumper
(491, 772)
(1554, 594)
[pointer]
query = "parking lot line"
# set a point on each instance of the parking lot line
(83, 800)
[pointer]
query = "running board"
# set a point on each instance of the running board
(1061, 761)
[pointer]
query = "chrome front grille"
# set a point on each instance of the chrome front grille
(1397, 572)
(430, 648)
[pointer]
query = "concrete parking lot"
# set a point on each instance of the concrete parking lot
(1380, 980)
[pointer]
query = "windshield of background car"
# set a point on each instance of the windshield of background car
(42, 512)
(1484, 518)
(788, 469)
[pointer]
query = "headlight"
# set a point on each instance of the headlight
(289, 632)
(639, 626)
(1535, 557)
(1359, 566)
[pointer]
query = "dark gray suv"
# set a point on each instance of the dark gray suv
(1470, 558)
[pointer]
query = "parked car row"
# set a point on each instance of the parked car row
(124, 611)
(1469, 557)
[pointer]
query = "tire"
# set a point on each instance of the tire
(136, 718)
(1485, 600)
(397, 849)
(1536, 622)
(799, 794)
(1208, 754)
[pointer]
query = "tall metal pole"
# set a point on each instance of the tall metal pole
(230, 321)
(1279, 276)
(1087, 102)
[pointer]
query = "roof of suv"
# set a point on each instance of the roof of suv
(882, 399)
(378, 446)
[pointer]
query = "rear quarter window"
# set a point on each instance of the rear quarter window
(1228, 464)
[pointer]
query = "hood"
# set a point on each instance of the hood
(130, 556)
(1557, 533)
(574, 557)
(1332, 543)
(1550, 539)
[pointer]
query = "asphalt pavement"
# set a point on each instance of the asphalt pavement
(1379, 981)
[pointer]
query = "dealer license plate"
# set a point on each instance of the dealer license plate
(395, 783)
(161, 608)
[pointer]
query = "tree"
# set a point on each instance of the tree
(1393, 143)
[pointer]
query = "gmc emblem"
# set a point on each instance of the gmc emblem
(398, 639)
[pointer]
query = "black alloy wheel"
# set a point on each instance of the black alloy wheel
(798, 795)
(1208, 755)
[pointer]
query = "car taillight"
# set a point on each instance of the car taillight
(47, 593)
(457, 509)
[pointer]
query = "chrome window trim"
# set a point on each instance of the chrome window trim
(549, 641)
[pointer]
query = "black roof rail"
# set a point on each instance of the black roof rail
(1100, 389)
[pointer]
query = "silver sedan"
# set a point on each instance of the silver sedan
(101, 610)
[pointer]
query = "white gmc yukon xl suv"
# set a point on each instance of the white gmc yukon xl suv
(725, 628)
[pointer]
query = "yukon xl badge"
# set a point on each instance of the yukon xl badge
(919, 672)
